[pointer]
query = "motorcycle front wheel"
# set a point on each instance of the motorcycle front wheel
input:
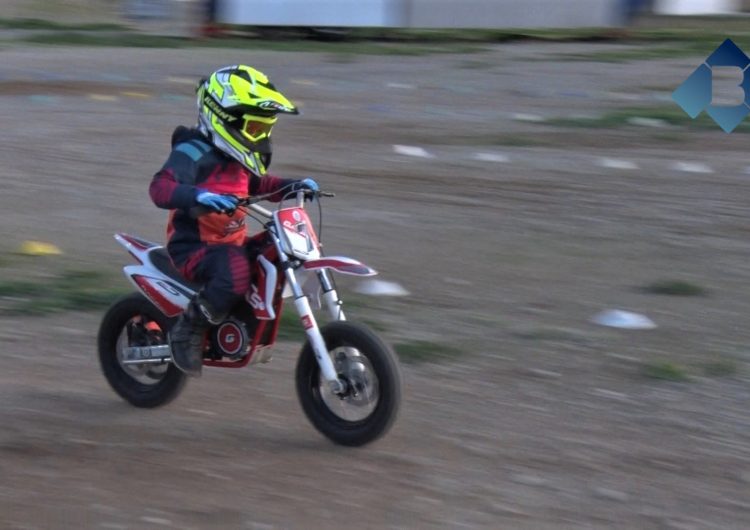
(132, 321)
(368, 368)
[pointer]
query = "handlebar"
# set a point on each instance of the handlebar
(251, 204)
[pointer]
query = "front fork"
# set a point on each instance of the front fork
(307, 318)
(331, 297)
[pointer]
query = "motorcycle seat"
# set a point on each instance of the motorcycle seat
(161, 260)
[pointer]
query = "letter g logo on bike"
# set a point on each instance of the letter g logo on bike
(695, 94)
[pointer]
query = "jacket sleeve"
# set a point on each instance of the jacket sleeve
(173, 187)
(278, 186)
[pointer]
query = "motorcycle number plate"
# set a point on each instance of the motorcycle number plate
(297, 233)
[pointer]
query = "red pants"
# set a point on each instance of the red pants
(225, 272)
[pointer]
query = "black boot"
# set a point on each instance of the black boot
(187, 335)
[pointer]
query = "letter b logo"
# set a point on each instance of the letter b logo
(695, 94)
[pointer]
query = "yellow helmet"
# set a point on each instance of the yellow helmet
(237, 108)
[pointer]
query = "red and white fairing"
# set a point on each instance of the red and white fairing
(277, 274)
(298, 239)
(297, 234)
(340, 264)
(169, 296)
(263, 290)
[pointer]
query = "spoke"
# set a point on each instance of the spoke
(344, 410)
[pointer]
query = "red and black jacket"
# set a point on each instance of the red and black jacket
(195, 165)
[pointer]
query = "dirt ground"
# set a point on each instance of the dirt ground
(510, 235)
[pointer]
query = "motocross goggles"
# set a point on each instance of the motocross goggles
(256, 128)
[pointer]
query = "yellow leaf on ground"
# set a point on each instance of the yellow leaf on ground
(38, 248)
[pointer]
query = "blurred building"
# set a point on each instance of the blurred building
(698, 7)
(422, 13)
(460, 13)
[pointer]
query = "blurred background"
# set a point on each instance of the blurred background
(189, 14)
(574, 247)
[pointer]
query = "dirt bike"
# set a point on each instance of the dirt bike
(347, 379)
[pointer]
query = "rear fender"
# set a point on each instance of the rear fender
(169, 297)
(137, 247)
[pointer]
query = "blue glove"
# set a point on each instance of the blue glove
(219, 203)
(306, 185)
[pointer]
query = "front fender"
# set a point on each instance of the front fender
(340, 264)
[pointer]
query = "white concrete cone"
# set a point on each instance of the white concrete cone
(616, 318)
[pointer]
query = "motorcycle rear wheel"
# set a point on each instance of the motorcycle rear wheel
(145, 386)
(373, 379)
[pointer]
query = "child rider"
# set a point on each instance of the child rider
(225, 157)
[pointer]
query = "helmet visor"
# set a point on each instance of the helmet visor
(257, 128)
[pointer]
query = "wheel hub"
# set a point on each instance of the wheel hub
(358, 389)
